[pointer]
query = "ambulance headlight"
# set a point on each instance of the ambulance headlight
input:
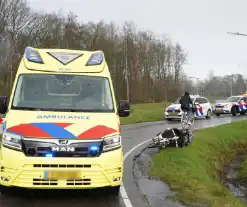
(111, 143)
(12, 141)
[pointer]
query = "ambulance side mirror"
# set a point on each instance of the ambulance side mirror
(123, 108)
(3, 104)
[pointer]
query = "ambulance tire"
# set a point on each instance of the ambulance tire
(217, 114)
(242, 112)
(234, 111)
(4, 189)
(209, 113)
(114, 190)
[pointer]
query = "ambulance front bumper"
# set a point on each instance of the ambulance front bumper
(45, 173)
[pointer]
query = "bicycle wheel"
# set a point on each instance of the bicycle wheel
(192, 118)
(184, 121)
(182, 118)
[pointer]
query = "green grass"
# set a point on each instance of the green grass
(243, 169)
(145, 113)
(194, 172)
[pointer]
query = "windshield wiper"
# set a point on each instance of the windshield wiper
(27, 108)
(36, 109)
(59, 109)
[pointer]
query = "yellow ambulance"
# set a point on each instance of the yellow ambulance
(62, 127)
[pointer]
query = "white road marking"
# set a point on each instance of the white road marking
(123, 192)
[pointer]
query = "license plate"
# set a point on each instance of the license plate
(63, 175)
(218, 110)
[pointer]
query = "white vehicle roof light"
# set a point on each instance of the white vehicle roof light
(96, 59)
(33, 55)
(64, 57)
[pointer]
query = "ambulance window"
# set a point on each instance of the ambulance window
(63, 92)
(19, 91)
(106, 95)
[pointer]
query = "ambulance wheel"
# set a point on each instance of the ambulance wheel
(208, 116)
(234, 111)
(114, 190)
(217, 114)
(4, 189)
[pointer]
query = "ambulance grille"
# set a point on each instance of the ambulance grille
(60, 166)
(80, 182)
(86, 181)
(41, 149)
(44, 182)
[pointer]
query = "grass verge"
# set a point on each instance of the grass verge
(194, 172)
(243, 169)
(145, 113)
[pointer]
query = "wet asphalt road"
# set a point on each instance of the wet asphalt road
(132, 136)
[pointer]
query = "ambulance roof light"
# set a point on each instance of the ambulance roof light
(96, 59)
(33, 55)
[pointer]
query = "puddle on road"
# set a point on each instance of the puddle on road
(154, 192)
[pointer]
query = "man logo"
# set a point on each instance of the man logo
(63, 149)
(63, 142)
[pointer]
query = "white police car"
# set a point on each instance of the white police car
(203, 108)
(233, 105)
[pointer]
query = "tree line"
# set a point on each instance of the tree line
(223, 86)
(144, 67)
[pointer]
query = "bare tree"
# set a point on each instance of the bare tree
(143, 66)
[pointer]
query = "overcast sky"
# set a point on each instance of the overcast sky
(200, 26)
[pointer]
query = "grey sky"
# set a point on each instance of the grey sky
(200, 26)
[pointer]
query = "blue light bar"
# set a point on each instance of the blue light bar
(33, 55)
(96, 59)
(49, 155)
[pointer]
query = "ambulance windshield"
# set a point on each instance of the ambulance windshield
(63, 93)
